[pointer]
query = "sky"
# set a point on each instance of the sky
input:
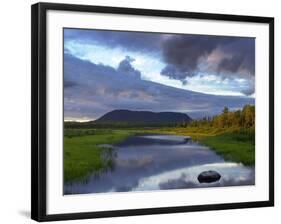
(193, 74)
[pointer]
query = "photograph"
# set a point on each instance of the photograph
(153, 111)
(135, 105)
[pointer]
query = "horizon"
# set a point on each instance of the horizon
(85, 120)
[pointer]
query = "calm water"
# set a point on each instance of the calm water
(154, 162)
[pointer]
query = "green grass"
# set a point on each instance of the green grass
(236, 146)
(82, 154)
(196, 133)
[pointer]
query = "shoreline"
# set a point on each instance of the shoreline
(83, 154)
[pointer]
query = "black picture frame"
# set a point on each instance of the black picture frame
(38, 108)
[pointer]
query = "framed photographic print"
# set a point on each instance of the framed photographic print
(138, 111)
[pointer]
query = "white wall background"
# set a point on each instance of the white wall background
(15, 110)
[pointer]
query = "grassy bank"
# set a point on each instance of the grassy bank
(238, 146)
(234, 144)
(82, 153)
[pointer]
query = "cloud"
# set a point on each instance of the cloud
(188, 55)
(97, 89)
(226, 57)
(212, 84)
(182, 55)
(126, 67)
(174, 72)
(241, 57)
(68, 84)
(135, 41)
(183, 52)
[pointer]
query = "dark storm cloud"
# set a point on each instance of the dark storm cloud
(242, 52)
(97, 89)
(175, 72)
(185, 55)
(135, 41)
(182, 52)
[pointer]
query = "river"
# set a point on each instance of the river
(159, 162)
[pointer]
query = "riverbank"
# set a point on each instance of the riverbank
(234, 144)
(83, 153)
(237, 147)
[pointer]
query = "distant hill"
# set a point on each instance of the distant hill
(142, 117)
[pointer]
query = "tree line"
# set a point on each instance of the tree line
(244, 118)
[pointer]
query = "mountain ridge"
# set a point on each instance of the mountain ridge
(145, 117)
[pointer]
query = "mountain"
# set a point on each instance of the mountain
(142, 117)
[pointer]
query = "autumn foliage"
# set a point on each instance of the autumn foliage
(244, 118)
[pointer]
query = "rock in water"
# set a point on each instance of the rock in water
(208, 176)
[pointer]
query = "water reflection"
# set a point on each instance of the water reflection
(153, 162)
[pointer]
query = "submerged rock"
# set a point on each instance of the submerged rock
(208, 176)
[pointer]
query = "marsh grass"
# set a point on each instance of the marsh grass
(83, 154)
(234, 144)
